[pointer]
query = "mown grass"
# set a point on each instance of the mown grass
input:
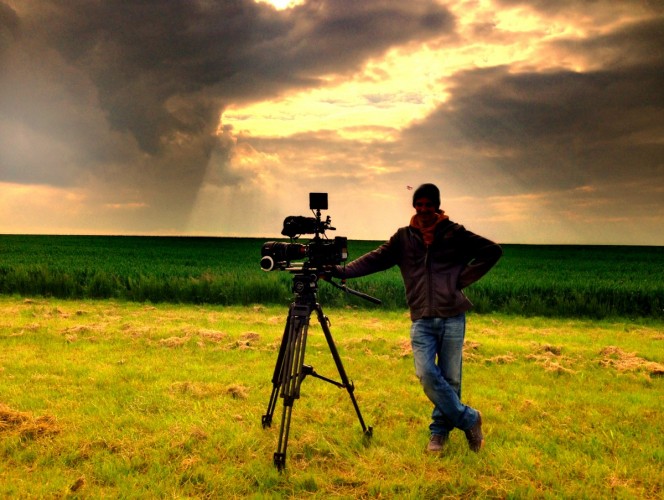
(119, 399)
(557, 281)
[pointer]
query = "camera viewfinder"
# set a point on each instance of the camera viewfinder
(318, 201)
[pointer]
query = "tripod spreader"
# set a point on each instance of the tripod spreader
(309, 370)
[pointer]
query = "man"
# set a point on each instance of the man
(438, 259)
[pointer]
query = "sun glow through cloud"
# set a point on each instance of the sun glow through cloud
(403, 86)
(282, 4)
(392, 100)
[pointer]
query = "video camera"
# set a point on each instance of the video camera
(318, 253)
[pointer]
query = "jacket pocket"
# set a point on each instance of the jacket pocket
(446, 292)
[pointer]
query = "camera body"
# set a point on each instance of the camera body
(278, 255)
(318, 253)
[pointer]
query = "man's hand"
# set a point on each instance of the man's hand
(332, 272)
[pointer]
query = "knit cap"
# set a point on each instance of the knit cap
(429, 191)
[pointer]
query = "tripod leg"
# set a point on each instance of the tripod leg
(292, 373)
(280, 454)
(266, 420)
(324, 322)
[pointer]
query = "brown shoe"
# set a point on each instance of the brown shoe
(436, 443)
(474, 435)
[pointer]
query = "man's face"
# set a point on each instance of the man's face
(426, 211)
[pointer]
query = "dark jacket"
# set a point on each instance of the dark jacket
(434, 276)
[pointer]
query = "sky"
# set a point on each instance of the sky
(541, 121)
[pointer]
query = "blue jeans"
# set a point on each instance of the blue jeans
(437, 349)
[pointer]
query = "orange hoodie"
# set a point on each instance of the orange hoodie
(427, 231)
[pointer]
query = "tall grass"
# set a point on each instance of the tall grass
(573, 281)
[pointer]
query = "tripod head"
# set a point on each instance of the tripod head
(307, 285)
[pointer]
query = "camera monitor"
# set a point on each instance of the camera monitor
(318, 201)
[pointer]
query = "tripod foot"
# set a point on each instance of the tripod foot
(266, 420)
(366, 437)
(280, 461)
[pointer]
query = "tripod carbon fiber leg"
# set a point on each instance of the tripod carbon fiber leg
(345, 383)
(290, 369)
(288, 375)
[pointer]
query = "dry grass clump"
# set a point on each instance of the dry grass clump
(214, 336)
(471, 351)
(237, 391)
(173, 342)
(551, 359)
(404, 347)
(502, 359)
(247, 340)
(25, 424)
(614, 357)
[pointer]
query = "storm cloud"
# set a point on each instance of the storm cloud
(128, 95)
(137, 117)
(596, 133)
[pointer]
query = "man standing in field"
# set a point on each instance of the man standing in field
(438, 259)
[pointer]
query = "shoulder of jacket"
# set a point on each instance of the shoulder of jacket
(450, 228)
(403, 231)
(403, 235)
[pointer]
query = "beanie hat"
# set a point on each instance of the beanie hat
(428, 191)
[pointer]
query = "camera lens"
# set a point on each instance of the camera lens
(267, 263)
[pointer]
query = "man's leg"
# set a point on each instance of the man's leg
(437, 350)
(427, 338)
(449, 353)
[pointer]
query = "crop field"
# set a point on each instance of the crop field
(569, 281)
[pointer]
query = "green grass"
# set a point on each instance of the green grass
(557, 281)
(122, 399)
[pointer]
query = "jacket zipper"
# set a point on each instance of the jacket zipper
(427, 265)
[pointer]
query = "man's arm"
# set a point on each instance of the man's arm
(484, 255)
(380, 259)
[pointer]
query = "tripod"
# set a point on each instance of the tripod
(290, 369)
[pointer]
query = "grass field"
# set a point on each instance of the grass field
(556, 281)
(141, 367)
(116, 399)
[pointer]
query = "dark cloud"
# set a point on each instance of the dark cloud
(633, 45)
(9, 25)
(129, 94)
(170, 69)
(592, 10)
(348, 32)
(559, 129)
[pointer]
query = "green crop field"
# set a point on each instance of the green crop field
(570, 281)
